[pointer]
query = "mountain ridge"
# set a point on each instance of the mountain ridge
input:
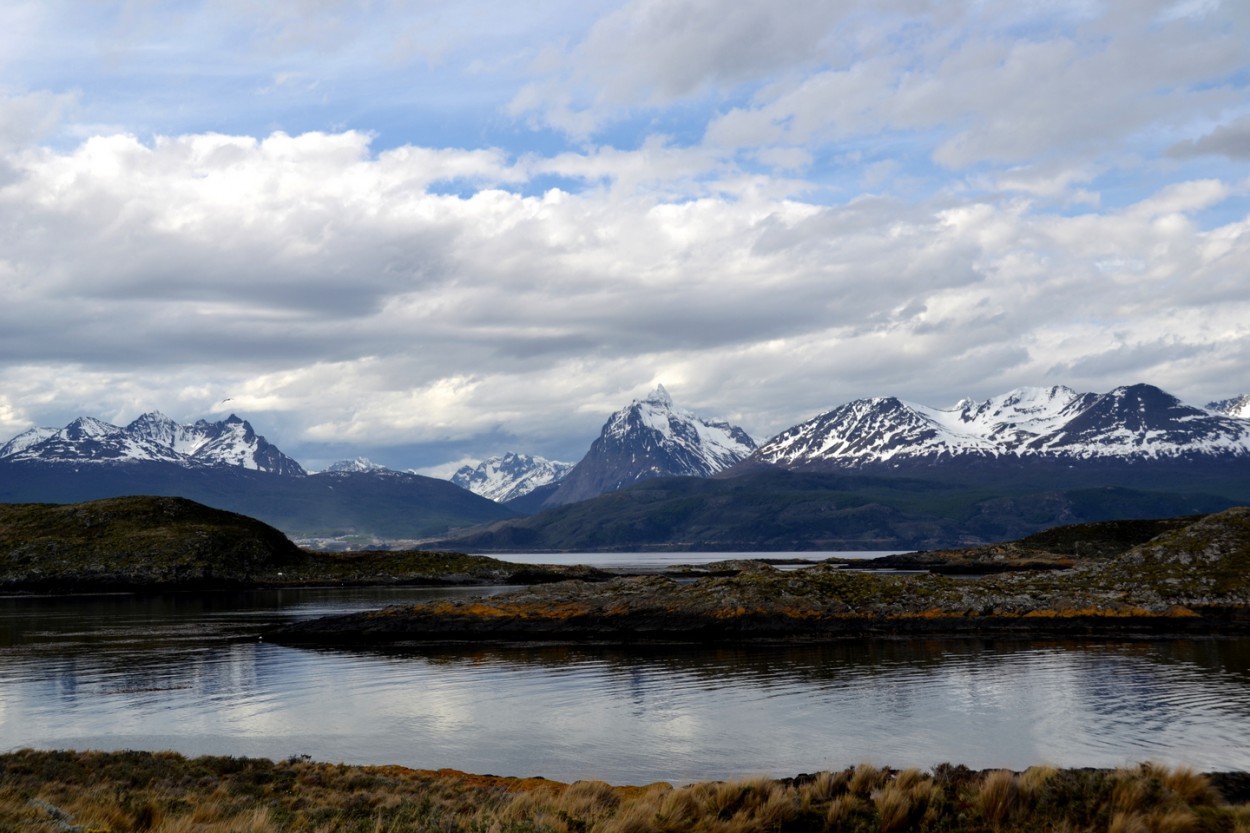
(153, 437)
(1130, 422)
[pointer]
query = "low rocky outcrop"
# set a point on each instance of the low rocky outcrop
(1053, 549)
(1190, 580)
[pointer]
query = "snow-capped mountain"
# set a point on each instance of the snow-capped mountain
(153, 437)
(1238, 406)
(358, 465)
(510, 476)
(25, 440)
(652, 438)
(1137, 422)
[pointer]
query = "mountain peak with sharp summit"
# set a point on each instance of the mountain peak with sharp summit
(356, 465)
(653, 438)
(660, 396)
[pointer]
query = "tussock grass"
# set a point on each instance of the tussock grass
(139, 792)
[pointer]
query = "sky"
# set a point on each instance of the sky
(431, 232)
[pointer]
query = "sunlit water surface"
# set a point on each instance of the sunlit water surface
(187, 672)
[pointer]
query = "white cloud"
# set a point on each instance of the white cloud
(328, 289)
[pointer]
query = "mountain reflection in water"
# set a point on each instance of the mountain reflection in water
(186, 672)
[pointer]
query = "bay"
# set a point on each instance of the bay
(187, 672)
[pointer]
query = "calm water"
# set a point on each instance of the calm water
(186, 672)
(659, 560)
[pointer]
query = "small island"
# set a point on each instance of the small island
(1192, 578)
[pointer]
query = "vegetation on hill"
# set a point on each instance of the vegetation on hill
(127, 792)
(135, 541)
(1194, 577)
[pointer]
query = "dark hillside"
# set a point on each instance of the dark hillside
(393, 505)
(777, 510)
(135, 542)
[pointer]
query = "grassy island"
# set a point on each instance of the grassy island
(128, 792)
(1192, 578)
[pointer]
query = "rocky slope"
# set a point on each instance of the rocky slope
(1192, 579)
(1238, 406)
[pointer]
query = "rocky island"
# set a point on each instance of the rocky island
(1193, 577)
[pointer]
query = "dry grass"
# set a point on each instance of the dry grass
(135, 792)
(997, 797)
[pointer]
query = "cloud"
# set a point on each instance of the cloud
(651, 53)
(341, 293)
(1230, 140)
(983, 93)
(28, 118)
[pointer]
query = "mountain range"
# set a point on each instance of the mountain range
(1132, 423)
(153, 437)
(882, 472)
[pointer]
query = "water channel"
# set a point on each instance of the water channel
(187, 672)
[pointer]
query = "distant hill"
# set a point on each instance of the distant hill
(771, 509)
(388, 505)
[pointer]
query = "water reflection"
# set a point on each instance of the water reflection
(187, 673)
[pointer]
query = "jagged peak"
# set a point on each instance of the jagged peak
(659, 396)
(357, 464)
(150, 417)
(153, 436)
(1237, 406)
(86, 425)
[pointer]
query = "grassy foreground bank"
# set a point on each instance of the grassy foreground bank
(43, 792)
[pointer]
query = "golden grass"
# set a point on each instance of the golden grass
(137, 792)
